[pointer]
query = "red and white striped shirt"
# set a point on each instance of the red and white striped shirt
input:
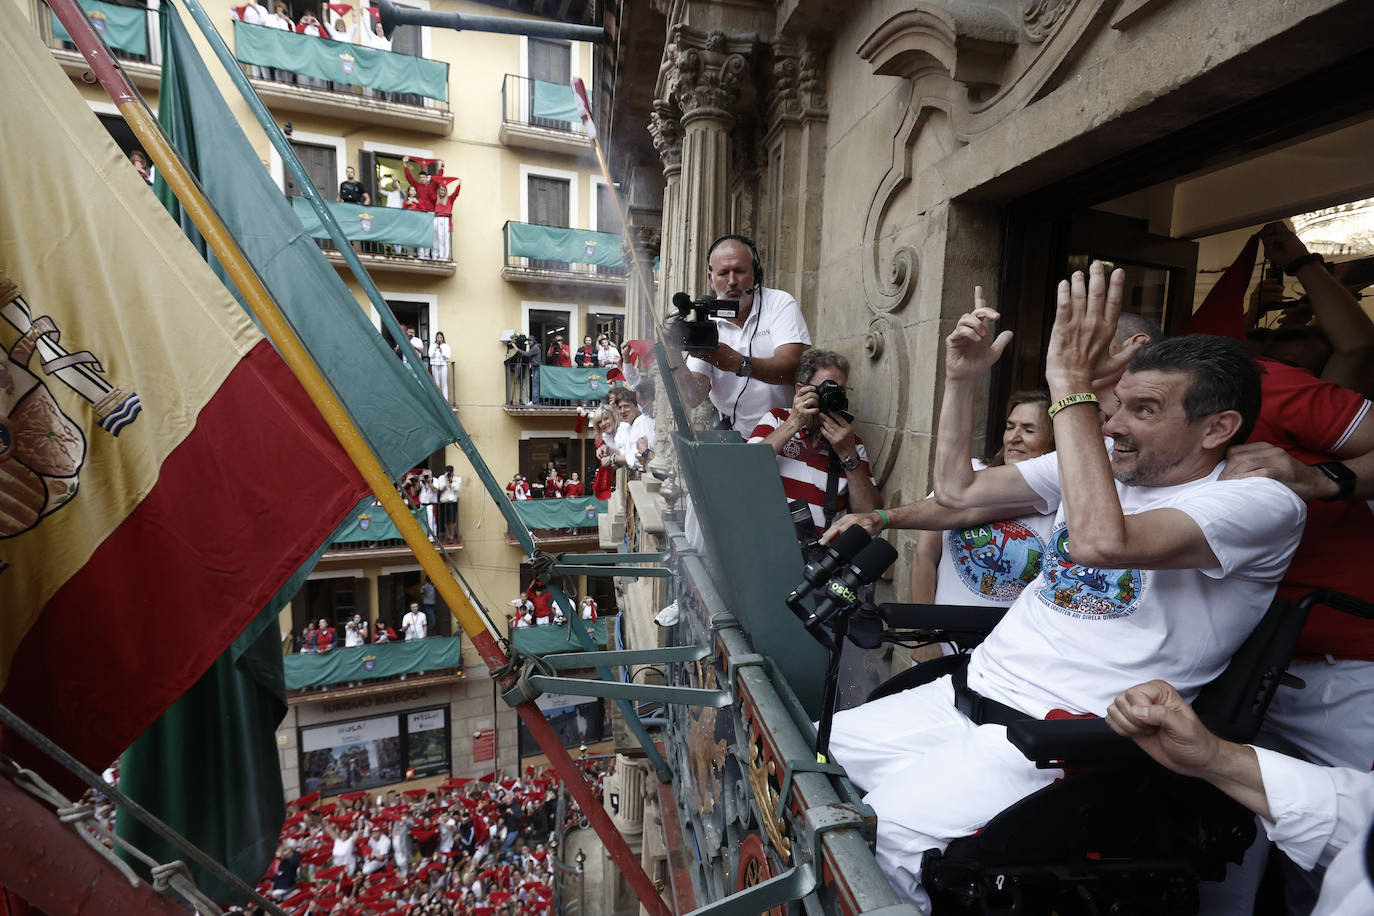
(804, 464)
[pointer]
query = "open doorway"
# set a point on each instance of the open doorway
(1177, 212)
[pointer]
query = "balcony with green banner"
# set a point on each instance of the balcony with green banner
(553, 254)
(124, 29)
(557, 637)
(374, 662)
(560, 515)
(313, 75)
(384, 225)
(537, 114)
(370, 528)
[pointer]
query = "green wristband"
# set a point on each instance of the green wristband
(882, 515)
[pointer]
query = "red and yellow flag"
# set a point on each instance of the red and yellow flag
(161, 471)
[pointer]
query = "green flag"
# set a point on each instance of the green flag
(209, 766)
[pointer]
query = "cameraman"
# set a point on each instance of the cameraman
(559, 355)
(525, 360)
(752, 369)
(830, 470)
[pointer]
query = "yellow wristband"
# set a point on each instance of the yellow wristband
(1086, 397)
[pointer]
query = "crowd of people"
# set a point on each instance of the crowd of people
(525, 358)
(536, 607)
(366, 29)
(470, 847)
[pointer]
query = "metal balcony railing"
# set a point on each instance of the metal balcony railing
(536, 103)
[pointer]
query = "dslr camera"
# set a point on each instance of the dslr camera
(694, 331)
(831, 399)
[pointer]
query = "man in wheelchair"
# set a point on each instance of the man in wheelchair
(1168, 572)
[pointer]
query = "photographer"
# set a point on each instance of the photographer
(752, 367)
(524, 361)
(559, 355)
(355, 632)
(819, 456)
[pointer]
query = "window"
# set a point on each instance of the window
(360, 754)
(551, 62)
(548, 206)
(413, 315)
(336, 599)
(321, 163)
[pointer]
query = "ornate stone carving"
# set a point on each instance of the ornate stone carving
(885, 406)
(666, 131)
(811, 80)
(1039, 17)
(708, 81)
(783, 98)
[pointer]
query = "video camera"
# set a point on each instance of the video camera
(519, 343)
(695, 332)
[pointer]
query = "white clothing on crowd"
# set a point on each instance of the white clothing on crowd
(415, 625)
(440, 354)
(627, 436)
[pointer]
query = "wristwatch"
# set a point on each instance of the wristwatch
(746, 368)
(851, 463)
(1344, 477)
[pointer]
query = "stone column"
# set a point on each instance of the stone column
(795, 149)
(710, 73)
(666, 130)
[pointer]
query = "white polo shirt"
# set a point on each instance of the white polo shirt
(774, 320)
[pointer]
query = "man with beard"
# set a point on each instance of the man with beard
(1169, 568)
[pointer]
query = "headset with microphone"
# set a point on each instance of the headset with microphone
(755, 263)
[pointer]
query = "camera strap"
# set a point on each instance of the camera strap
(832, 487)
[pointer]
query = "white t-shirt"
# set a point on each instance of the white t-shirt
(344, 854)
(353, 635)
(415, 625)
(448, 490)
(989, 565)
(627, 436)
(1078, 636)
(774, 320)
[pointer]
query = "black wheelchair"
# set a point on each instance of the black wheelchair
(1120, 834)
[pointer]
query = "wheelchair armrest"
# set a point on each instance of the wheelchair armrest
(1348, 604)
(1055, 743)
(942, 619)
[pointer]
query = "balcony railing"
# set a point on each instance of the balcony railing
(535, 252)
(554, 386)
(388, 233)
(536, 103)
(374, 663)
(340, 68)
(129, 29)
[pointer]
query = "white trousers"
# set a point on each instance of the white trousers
(930, 774)
(440, 375)
(441, 238)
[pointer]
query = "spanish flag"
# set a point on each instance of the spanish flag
(162, 473)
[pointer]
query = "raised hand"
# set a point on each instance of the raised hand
(1084, 325)
(974, 346)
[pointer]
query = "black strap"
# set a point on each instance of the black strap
(978, 709)
(832, 488)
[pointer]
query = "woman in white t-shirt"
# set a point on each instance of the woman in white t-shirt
(989, 565)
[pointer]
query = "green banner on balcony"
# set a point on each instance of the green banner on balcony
(392, 225)
(556, 637)
(557, 383)
(369, 525)
(554, 102)
(122, 27)
(364, 663)
(550, 243)
(326, 59)
(577, 512)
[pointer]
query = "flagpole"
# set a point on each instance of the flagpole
(135, 113)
